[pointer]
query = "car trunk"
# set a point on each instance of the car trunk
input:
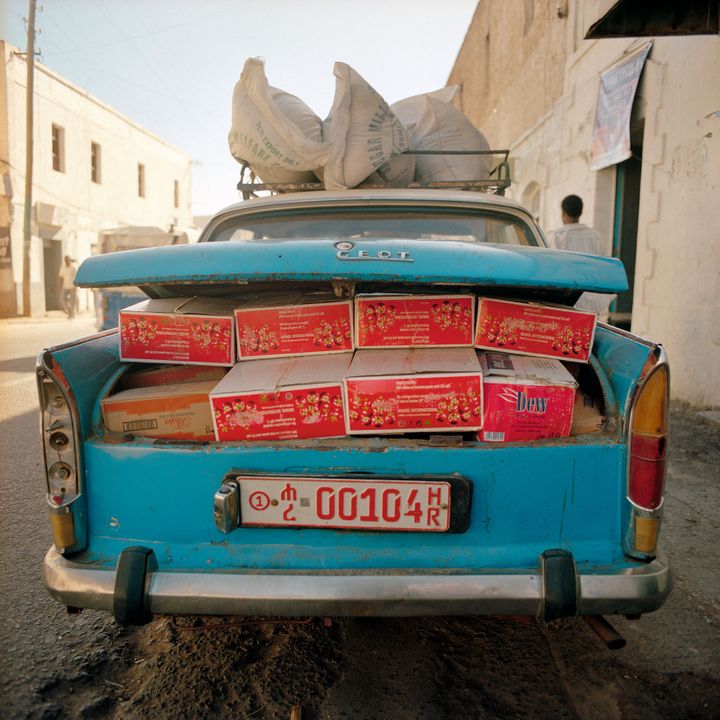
(525, 497)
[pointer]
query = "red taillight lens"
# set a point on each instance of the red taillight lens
(647, 470)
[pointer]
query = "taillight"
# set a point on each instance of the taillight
(646, 468)
(59, 433)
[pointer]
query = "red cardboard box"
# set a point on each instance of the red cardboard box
(171, 375)
(281, 399)
(525, 398)
(195, 331)
(178, 412)
(293, 324)
(420, 390)
(386, 321)
(530, 329)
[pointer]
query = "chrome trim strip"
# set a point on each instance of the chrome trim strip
(390, 593)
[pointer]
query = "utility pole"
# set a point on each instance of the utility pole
(27, 231)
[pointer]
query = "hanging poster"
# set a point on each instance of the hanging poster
(611, 129)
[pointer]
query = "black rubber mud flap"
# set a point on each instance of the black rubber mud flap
(560, 585)
(130, 603)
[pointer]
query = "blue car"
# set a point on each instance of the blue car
(551, 528)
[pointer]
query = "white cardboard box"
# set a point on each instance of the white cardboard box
(413, 390)
(193, 331)
(525, 398)
(281, 399)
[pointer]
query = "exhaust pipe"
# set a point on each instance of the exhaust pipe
(605, 631)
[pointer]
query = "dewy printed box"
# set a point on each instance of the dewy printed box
(414, 390)
(195, 331)
(281, 399)
(525, 398)
(530, 329)
(177, 412)
(293, 324)
(386, 321)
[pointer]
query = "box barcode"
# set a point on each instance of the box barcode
(140, 425)
(493, 436)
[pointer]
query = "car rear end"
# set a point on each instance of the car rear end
(551, 528)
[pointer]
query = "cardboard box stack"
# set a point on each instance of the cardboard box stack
(312, 366)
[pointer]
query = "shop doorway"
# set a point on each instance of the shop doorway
(627, 205)
(52, 258)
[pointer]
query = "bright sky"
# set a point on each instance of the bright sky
(171, 65)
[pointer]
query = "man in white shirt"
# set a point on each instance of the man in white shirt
(67, 285)
(578, 237)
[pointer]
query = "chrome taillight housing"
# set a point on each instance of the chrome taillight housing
(59, 432)
(647, 450)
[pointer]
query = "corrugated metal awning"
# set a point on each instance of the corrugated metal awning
(640, 18)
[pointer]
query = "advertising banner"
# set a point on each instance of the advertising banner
(611, 129)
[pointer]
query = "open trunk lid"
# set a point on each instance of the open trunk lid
(377, 260)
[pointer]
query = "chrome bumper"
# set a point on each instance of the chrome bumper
(638, 589)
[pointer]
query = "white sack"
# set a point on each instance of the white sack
(409, 110)
(434, 124)
(274, 132)
(366, 140)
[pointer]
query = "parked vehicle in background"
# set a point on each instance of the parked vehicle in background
(109, 301)
(549, 528)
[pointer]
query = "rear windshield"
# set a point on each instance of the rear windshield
(354, 223)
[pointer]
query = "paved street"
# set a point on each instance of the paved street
(60, 666)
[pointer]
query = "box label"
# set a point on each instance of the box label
(164, 337)
(414, 321)
(414, 404)
(294, 330)
(534, 330)
(282, 415)
(513, 411)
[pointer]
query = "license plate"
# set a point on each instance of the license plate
(377, 504)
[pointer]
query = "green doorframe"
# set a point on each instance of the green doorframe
(625, 225)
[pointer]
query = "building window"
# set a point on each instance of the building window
(58, 148)
(176, 194)
(141, 180)
(95, 163)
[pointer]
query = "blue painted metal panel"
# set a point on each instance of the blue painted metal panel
(526, 499)
(623, 359)
(314, 260)
(87, 367)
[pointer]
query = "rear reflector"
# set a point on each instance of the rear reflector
(646, 531)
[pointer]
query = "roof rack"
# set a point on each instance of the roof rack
(496, 183)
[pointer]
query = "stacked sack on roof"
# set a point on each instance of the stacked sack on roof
(363, 139)
(291, 366)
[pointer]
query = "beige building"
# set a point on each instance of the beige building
(530, 82)
(93, 169)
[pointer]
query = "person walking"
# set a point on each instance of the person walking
(578, 237)
(67, 285)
